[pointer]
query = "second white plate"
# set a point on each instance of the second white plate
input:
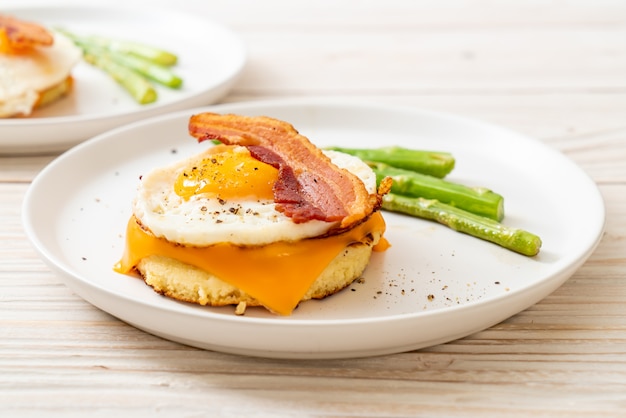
(433, 285)
(211, 57)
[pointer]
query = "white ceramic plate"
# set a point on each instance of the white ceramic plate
(433, 285)
(210, 59)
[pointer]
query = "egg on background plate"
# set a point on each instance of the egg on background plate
(34, 76)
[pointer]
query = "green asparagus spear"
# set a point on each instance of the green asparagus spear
(141, 90)
(434, 163)
(514, 239)
(150, 53)
(144, 64)
(154, 54)
(159, 73)
(478, 200)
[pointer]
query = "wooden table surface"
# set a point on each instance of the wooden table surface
(554, 70)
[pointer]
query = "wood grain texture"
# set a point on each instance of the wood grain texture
(552, 70)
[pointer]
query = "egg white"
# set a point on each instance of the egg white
(24, 75)
(202, 221)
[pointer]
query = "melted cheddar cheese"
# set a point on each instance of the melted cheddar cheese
(273, 274)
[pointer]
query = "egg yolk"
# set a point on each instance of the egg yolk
(5, 44)
(228, 173)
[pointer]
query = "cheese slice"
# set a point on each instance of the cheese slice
(277, 275)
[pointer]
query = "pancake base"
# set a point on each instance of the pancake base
(46, 97)
(54, 93)
(187, 283)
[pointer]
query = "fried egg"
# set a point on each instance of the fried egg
(26, 75)
(224, 195)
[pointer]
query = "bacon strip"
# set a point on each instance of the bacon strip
(309, 185)
(20, 34)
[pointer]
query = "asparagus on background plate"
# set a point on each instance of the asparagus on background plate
(133, 65)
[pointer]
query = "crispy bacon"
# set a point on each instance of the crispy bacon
(19, 34)
(309, 185)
